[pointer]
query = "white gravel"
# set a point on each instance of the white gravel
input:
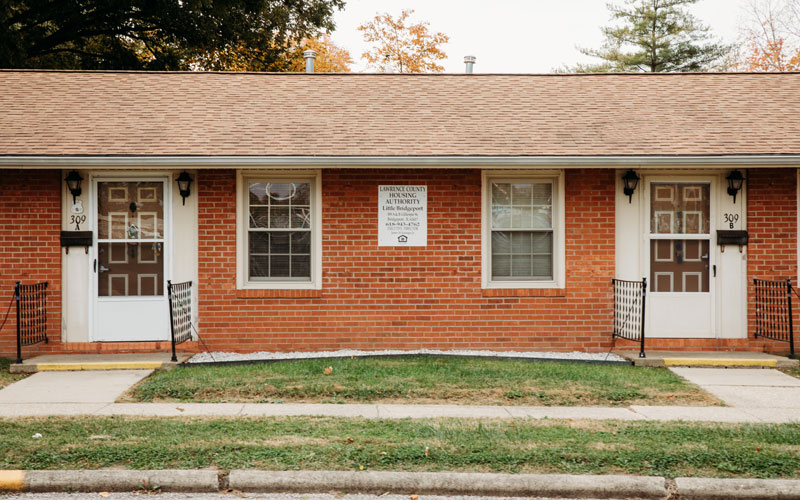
(233, 356)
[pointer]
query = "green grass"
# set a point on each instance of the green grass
(423, 380)
(314, 443)
(5, 377)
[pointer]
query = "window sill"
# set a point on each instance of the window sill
(524, 292)
(278, 294)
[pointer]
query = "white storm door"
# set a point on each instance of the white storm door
(130, 260)
(680, 257)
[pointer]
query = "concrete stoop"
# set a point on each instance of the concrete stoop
(716, 359)
(81, 362)
(428, 483)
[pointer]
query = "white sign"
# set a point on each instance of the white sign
(402, 216)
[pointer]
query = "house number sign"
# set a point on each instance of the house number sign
(402, 216)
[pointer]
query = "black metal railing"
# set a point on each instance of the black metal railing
(629, 301)
(774, 311)
(31, 315)
(180, 313)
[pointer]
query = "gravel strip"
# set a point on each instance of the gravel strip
(255, 356)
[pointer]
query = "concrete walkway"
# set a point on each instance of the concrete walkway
(753, 395)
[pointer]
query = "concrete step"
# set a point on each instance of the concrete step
(710, 359)
(81, 362)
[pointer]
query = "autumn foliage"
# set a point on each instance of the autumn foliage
(402, 47)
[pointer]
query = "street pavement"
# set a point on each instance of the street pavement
(252, 496)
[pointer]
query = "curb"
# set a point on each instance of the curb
(75, 367)
(430, 483)
(195, 481)
(449, 483)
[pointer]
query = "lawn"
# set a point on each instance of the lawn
(5, 377)
(423, 380)
(314, 443)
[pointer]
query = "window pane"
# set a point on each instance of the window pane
(543, 243)
(301, 242)
(679, 208)
(542, 217)
(301, 217)
(302, 194)
(258, 194)
(521, 266)
(259, 266)
(543, 267)
(130, 269)
(543, 194)
(501, 217)
(279, 266)
(301, 266)
(521, 217)
(679, 265)
(259, 217)
(279, 243)
(280, 193)
(501, 265)
(501, 242)
(279, 217)
(521, 194)
(501, 194)
(259, 243)
(522, 243)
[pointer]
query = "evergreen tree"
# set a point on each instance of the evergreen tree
(656, 36)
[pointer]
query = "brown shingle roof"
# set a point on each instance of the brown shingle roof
(133, 113)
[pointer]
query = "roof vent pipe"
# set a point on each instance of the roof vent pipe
(310, 55)
(469, 61)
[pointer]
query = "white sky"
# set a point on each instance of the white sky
(514, 36)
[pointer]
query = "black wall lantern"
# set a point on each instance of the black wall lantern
(631, 180)
(735, 181)
(73, 180)
(184, 185)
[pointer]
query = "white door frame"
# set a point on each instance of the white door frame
(126, 176)
(681, 178)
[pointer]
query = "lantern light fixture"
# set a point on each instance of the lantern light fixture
(631, 180)
(184, 185)
(735, 181)
(73, 180)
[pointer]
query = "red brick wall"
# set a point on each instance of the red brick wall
(30, 202)
(405, 298)
(772, 224)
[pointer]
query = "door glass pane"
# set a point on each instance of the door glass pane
(130, 210)
(130, 269)
(678, 208)
(679, 265)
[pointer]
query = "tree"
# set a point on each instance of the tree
(771, 37)
(330, 57)
(157, 34)
(655, 36)
(401, 47)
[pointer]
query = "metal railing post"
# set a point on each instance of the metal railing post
(644, 296)
(789, 306)
(171, 321)
(19, 330)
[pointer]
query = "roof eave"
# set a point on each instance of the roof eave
(189, 161)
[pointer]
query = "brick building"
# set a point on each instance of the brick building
(396, 211)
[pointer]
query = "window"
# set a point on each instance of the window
(279, 231)
(523, 245)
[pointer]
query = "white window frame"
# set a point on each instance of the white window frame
(243, 178)
(559, 248)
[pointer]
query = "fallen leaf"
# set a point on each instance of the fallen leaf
(360, 467)
(426, 451)
(382, 453)
(104, 494)
(414, 497)
(349, 440)
(328, 370)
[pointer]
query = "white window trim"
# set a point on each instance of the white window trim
(559, 247)
(242, 178)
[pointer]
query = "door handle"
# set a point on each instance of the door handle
(714, 268)
(94, 266)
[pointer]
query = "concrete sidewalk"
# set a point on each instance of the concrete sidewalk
(757, 396)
